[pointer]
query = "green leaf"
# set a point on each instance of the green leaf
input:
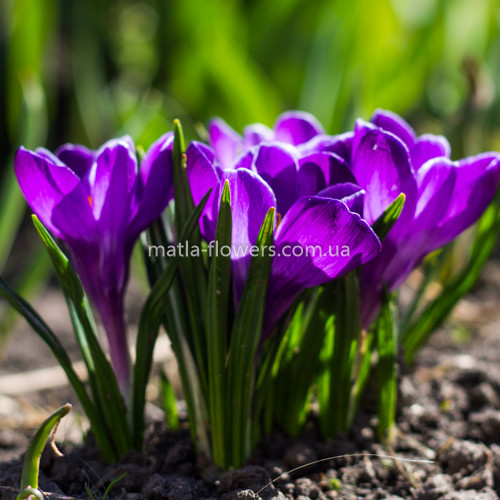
(387, 335)
(391, 214)
(245, 338)
(217, 314)
(29, 479)
(182, 194)
(342, 331)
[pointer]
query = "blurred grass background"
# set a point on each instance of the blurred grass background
(85, 71)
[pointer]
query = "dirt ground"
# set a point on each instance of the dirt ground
(449, 416)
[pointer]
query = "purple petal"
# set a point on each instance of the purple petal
(335, 169)
(277, 165)
(435, 182)
(341, 145)
(332, 241)
(351, 194)
(381, 165)
(202, 176)
(251, 198)
(475, 187)
(226, 143)
(156, 176)
(391, 122)
(246, 160)
(43, 183)
(310, 179)
(429, 146)
(296, 127)
(254, 134)
(77, 158)
(113, 181)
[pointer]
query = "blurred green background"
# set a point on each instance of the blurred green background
(86, 70)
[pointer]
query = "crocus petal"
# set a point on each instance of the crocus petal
(351, 194)
(429, 146)
(43, 183)
(78, 158)
(251, 198)
(391, 122)
(202, 176)
(310, 179)
(278, 165)
(112, 179)
(335, 169)
(475, 186)
(156, 181)
(296, 127)
(255, 134)
(341, 145)
(435, 182)
(328, 241)
(226, 143)
(381, 165)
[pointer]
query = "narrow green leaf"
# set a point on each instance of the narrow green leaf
(245, 338)
(391, 214)
(179, 176)
(217, 313)
(112, 484)
(386, 331)
(342, 331)
(31, 465)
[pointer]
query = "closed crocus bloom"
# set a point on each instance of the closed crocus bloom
(320, 233)
(292, 127)
(97, 203)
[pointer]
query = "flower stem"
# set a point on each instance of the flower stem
(112, 314)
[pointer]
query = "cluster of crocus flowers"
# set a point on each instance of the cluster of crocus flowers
(97, 203)
(328, 193)
(364, 170)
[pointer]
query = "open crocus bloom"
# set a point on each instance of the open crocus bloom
(443, 197)
(97, 203)
(320, 234)
(291, 127)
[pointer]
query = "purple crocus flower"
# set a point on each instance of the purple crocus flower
(97, 203)
(291, 127)
(443, 197)
(319, 236)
